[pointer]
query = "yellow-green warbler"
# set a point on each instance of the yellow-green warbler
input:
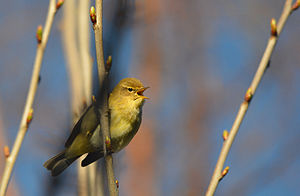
(125, 105)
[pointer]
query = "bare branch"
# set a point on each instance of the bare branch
(275, 32)
(26, 117)
(103, 82)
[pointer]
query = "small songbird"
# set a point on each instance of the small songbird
(125, 105)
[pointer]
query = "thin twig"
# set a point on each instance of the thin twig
(10, 161)
(103, 109)
(276, 30)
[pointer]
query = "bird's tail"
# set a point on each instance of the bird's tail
(58, 163)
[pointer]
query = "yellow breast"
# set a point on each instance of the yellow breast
(124, 124)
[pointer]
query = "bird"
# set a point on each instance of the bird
(125, 105)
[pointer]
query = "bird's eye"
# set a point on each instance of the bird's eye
(130, 89)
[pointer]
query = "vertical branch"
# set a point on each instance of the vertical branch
(103, 82)
(86, 67)
(28, 111)
(74, 52)
(219, 172)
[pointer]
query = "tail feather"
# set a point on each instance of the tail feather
(58, 163)
(91, 157)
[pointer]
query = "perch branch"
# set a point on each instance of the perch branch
(103, 83)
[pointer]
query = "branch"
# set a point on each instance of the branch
(28, 111)
(229, 138)
(103, 83)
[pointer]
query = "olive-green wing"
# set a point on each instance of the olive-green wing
(86, 125)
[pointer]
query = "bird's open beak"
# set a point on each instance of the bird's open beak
(141, 91)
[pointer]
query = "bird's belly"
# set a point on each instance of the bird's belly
(119, 129)
(122, 132)
(120, 136)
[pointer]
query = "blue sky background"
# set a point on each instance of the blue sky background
(199, 58)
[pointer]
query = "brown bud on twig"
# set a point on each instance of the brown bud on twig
(273, 27)
(6, 151)
(107, 142)
(248, 95)
(224, 172)
(225, 135)
(39, 79)
(108, 63)
(93, 15)
(39, 34)
(296, 5)
(59, 4)
(117, 184)
(29, 117)
(93, 99)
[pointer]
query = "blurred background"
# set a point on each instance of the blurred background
(199, 58)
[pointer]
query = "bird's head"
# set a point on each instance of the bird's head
(129, 92)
